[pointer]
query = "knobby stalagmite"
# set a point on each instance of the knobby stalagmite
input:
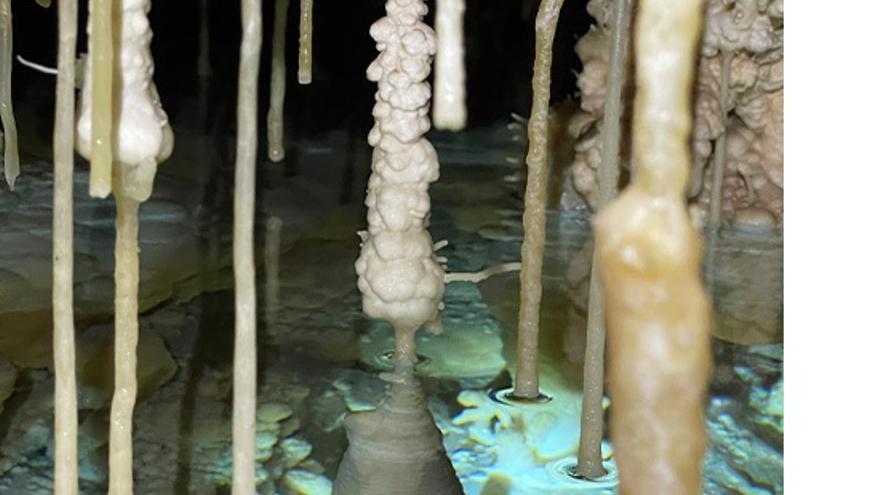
(10, 134)
(649, 262)
(397, 448)
(450, 111)
(589, 463)
(399, 275)
(66, 481)
(144, 139)
(278, 83)
(534, 221)
(304, 71)
(245, 359)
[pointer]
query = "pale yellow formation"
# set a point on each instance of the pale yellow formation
(124, 346)
(278, 83)
(244, 398)
(534, 221)
(100, 92)
(450, 111)
(66, 481)
(649, 261)
(304, 71)
(10, 134)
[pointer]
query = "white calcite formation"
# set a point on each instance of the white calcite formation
(143, 137)
(399, 275)
(751, 31)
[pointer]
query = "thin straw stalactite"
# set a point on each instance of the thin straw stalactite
(304, 71)
(10, 134)
(245, 358)
(278, 83)
(101, 64)
(66, 481)
(589, 462)
(534, 222)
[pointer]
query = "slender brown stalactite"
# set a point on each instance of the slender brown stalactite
(589, 464)
(534, 222)
(304, 71)
(66, 481)
(278, 83)
(245, 359)
(10, 134)
(649, 263)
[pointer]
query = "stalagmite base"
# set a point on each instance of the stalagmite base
(66, 481)
(245, 359)
(649, 261)
(534, 221)
(589, 463)
(396, 449)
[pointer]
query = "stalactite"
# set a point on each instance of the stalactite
(526, 381)
(278, 83)
(592, 423)
(99, 91)
(66, 481)
(450, 111)
(144, 139)
(245, 359)
(10, 134)
(649, 262)
(304, 70)
(398, 273)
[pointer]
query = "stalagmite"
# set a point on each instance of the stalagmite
(278, 83)
(10, 134)
(99, 96)
(526, 380)
(245, 361)
(450, 111)
(398, 273)
(396, 449)
(143, 139)
(304, 70)
(66, 481)
(649, 262)
(592, 423)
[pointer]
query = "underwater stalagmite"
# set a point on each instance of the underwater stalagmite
(396, 449)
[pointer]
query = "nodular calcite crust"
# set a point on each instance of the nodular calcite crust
(396, 449)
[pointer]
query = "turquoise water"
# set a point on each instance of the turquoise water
(320, 357)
